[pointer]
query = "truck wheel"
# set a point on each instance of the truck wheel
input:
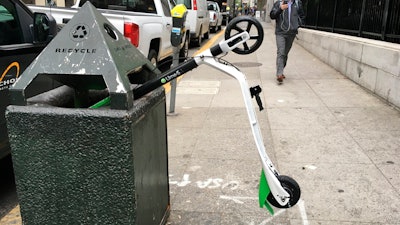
(206, 35)
(199, 39)
(153, 57)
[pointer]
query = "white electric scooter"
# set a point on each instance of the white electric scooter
(281, 191)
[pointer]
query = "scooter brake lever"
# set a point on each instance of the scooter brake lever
(255, 92)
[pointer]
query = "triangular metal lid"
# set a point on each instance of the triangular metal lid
(88, 53)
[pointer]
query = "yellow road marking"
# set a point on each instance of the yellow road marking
(13, 217)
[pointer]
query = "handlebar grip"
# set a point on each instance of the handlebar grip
(216, 50)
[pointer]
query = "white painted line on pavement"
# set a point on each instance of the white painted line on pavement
(300, 203)
(303, 213)
(273, 217)
(237, 199)
(302, 210)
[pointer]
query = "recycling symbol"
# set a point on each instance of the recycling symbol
(79, 32)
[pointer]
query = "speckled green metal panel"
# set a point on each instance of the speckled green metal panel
(85, 166)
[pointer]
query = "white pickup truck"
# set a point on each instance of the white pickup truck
(146, 23)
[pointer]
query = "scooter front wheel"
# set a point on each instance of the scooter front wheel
(246, 23)
(292, 188)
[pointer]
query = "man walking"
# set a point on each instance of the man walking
(289, 16)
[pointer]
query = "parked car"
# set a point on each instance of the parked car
(215, 16)
(147, 24)
(198, 19)
(23, 35)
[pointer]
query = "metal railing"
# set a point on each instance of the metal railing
(374, 19)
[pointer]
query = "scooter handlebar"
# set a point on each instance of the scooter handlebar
(230, 44)
(222, 47)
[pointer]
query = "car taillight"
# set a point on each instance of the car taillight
(215, 17)
(194, 5)
(131, 32)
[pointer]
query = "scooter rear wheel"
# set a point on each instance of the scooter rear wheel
(292, 188)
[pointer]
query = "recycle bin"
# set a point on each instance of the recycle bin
(77, 164)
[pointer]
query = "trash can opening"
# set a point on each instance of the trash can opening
(75, 91)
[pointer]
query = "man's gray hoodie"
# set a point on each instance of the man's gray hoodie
(282, 18)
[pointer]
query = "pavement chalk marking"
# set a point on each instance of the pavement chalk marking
(237, 199)
(210, 183)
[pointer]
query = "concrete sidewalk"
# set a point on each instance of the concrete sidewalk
(338, 141)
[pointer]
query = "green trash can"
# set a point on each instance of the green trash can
(77, 164)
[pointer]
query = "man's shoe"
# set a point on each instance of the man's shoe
(280, 79)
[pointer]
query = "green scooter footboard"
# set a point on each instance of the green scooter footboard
(263, 193)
